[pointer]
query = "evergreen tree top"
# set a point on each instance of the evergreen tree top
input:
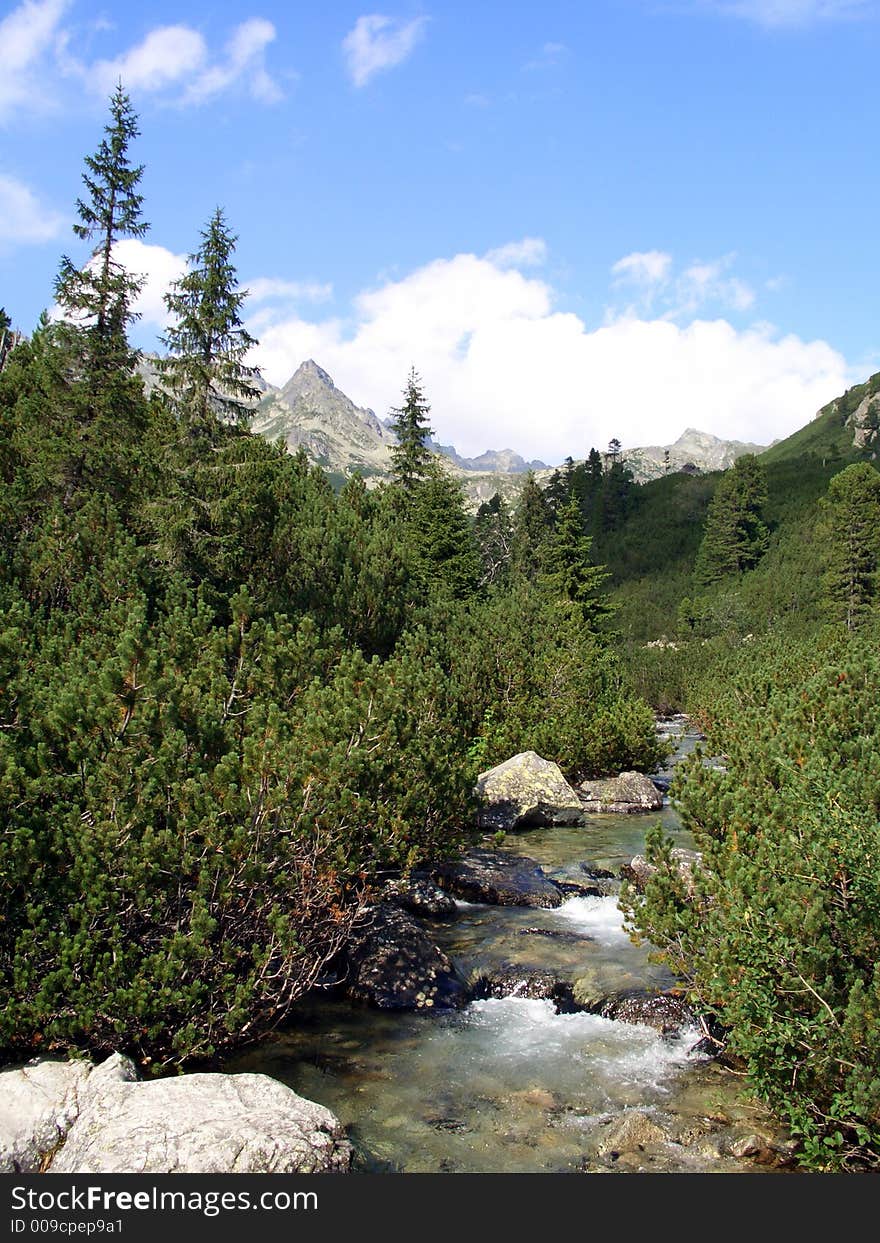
(411, 459)
(208, 342)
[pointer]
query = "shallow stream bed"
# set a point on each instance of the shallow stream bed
(509, 1085)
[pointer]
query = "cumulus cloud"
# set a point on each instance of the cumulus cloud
(244, 60)
(504, 367)
(23, 219)
(643, 267)
(780, 13)
(177, 60)
(27, 35)
(377, 43)
(166, 55)
(160, 267)
(530, 252)
(271, 289)
(649, 280)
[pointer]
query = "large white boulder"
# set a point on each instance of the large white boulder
(74, 1118)
(38, 1104)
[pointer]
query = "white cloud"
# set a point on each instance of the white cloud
(704, 283)
(245, 59)
(27, 34)
(780, 13)
(503, 368)
(177, 59)
(376, 43)
(530, 252)
(650, 280)
(643, 267)
(23, 219)
(166, 55)
(160, 267)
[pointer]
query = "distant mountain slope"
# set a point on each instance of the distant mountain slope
(310, 412)
(846, 427)
(495, 461)
(693, 448)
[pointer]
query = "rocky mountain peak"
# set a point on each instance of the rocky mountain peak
(308, 379)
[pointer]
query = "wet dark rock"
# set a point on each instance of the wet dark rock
(589, 869)
(512, 981)
(498, 880)
(667, 1013)
(393, 964)
(420, 896)
(628, 792)
(451, 1126)
(573, 890)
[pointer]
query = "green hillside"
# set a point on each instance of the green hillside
(827, 435)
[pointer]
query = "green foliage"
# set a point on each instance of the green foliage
(207, 344)
(526, 674)
(735, 536)
(782, 935)
(99, 296)
(411, 459)
(231, 695)
(570, 573)
(439, 532)
(851, 530)
(493, 537)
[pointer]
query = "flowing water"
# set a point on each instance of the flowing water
(509, 1085)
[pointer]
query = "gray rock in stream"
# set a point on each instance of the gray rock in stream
(498, 879)
(622, 795)
(639, 871)
(526, 791)
(420, 896)
(38, 1104)
(512, 981)
(392, 963)
(668, 1013)
(76, 1118)
(202, 1123)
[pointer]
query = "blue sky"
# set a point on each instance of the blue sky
(578, 219)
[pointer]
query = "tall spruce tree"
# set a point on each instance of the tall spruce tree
(735, 536)
(851, 531)
(207, 343)
(532, 524)
(100, 295)
(411, 459)
(570, 571)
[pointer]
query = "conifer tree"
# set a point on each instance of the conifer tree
(100, 295)
(207, 343)
(440, 530)
(851, 531)
(532, 524)
(493, 535)
(570, 571)
(735, 537)
(411, 459)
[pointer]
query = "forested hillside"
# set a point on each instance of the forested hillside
(230, 697)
